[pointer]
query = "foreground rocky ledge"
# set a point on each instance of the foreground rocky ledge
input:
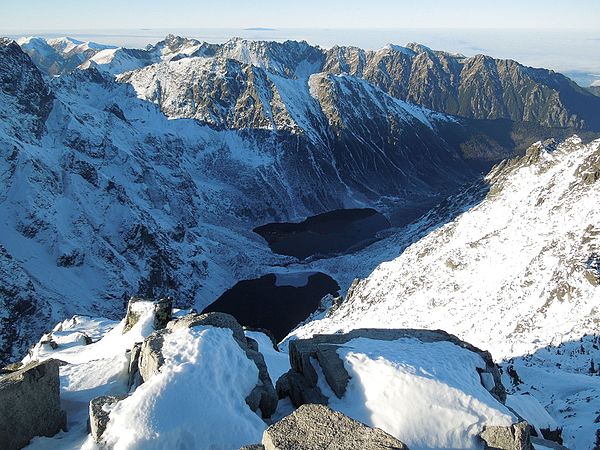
(30, 404)
(200, 380)
(312, 426)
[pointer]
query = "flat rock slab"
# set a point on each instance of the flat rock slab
(317, 427)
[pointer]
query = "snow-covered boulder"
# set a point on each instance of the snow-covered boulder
(100, 408)
(152, 358)
(196, 398)
(427, 388)
(313, 427)
(30, 404)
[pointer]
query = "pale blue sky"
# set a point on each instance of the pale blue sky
(110, 14)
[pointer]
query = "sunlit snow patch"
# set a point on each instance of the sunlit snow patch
(428, 395)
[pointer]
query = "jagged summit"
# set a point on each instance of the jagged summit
(478, 87)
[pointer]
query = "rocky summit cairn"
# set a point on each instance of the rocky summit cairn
(315, 427)
(163, 310)
(30, 404)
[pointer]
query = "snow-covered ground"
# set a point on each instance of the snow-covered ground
(428, 395)
(197, 400)
(515, 275)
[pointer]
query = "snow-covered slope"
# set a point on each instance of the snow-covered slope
(501, 274)
(105, 197)
(518, 274)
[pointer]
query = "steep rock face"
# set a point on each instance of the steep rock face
(290, 59)
(479, 87)
(26, 99)
(217, 91)
(23, 312)
(30, 404)
(326, 112)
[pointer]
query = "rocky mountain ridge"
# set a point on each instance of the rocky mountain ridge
(477, 87)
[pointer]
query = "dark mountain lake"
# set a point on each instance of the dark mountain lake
(330, 233)
(277, 302)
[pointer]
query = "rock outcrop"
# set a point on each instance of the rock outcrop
(23, 87)
(99, 414)
(516, 437)
(300, 383)
(30, 404)
(314, 427)
(162, 312)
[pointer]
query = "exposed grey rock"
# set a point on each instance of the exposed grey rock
(30, 404)
(253, 447)
(215, 319)
(515, 437)
(317, 427)
(479, 87)
(263, 396)
(323, 349)
(99, 414)
(22, 84)
(151, 358)
(135, 377)
(295, 386)
(163, 309)
(163, 312)
(333, 367)
(252, 344)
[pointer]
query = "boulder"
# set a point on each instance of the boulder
(213, 319)
(100, 408)
(323, 349)
(293, 385)
(30, 404)
(515, 437)
(316, 427)
(163, 309)
(150, 359)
